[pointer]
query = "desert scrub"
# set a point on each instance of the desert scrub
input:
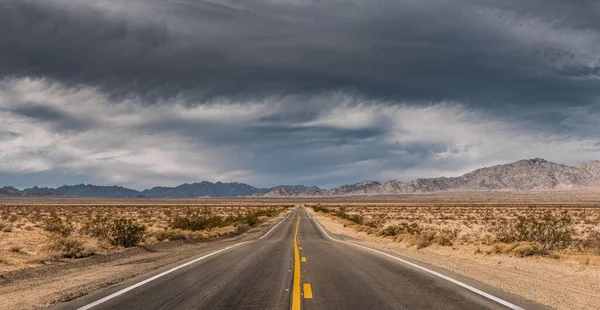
(446, 236)
(99, 227)
(592, 241)
(198, 222)
(125, 233)
(171, 235)
(58, 226)
(69, 248)
(118, 232)
(402, 228)
(549, 230)
(319, 208)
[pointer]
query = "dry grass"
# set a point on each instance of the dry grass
(34, 232)
(517, 224)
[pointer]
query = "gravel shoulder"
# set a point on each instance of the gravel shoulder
(560, 284)
(44, 286)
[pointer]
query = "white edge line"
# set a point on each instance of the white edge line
(134, 286)
(464, 285)
(127, 289)
(268, 232)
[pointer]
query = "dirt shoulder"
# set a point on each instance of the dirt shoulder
(561, 284)
(44, 286)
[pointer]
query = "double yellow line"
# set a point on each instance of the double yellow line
(296, 288)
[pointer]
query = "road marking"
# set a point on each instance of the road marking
(127, 289)
(268, 232)
(303, 259)
(307, 291)
(464, 285)
(296, 292)
(134, 286)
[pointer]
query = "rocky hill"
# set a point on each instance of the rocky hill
(593, 167)
(524, 175)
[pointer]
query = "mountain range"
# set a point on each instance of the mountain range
(524, 175)
(202, 189)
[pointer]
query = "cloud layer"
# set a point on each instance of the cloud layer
(144, 93)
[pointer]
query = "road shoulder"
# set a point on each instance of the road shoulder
(45, 286)
(543, 282)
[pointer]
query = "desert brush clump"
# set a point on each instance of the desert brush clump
(550, 231)
(66, 247)
(420, 235)
(125, 233)
(58, 226)
(120, 232)
(198, 222)
(535, 226)
(104, 224)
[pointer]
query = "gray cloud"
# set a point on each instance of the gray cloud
(272, 91)
(484, 53)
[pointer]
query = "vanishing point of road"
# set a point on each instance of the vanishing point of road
(296, 265)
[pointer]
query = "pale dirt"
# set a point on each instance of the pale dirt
(44, 286)
(572, 282)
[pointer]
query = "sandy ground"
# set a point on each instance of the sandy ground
(41, 287)
(562, 284)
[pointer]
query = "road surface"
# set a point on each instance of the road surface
(297, 265)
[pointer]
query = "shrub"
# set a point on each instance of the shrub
(530, 250)
(447, 236)
(170, 235)
(592, 241)
(70, 248)
(402, 228)
(58, 226)
(549, 230)
(319, 208)
(119, 232)
(355, 218)
(251, 220)
(98, 228)
(125, 233)
(197, 222)
(425, 240)
(4, 227)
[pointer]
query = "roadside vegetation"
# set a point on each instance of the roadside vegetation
(37, 234)
(519, 231)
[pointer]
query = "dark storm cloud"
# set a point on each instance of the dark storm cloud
(402, 50)
(59, 120)
(324, 92)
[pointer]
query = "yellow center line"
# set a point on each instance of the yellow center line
(296, 291)
(303, 259)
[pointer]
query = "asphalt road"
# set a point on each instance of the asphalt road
(264, 274)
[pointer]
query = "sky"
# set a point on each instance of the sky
(142, 93)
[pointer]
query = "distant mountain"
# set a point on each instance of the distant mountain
(202, 189)
(82, 190)
(523, 175)
(292, 190)
(298, 188)
(365, 187)
(593, 167)
(9, 191)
